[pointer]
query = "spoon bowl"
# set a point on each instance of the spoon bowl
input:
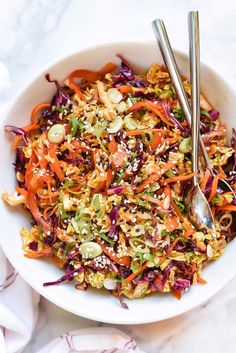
(198, 209)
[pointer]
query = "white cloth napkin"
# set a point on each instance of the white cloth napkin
(93, 340)
(19, 308)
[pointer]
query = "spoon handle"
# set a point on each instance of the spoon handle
(194, 55)
(169, 59)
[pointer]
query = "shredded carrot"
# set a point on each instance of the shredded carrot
(201, 280)
(176, 209)
(46, 215)
(214, 187)
(170, 140)
(34, 209)
(110, 178)
(29, 167)
(173, 245)
(47, 196)
(37, 109)
(212, 149)
(231, 208)
(153, 177)
(135, 132)
(16, 141)
(112, 146)
(153, 200)
(189, 228)
(172, 223)
(177, 178)
(135, 274)
(75, 88)
(78, 145)
(100, 187)
(154, 108)
(176, 293)
(205, 179)
(21, 191)
(34, 255)
(124, 260)
(157, 140)
(222, 173)
(55, 163)
(108, 68)
(125, 89)
(93, 76)
(213, 211)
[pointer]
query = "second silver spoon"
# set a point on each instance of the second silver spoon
(199, 211)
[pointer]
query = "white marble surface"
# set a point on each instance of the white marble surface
(33, 33)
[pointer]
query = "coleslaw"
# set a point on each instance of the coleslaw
(104, 168)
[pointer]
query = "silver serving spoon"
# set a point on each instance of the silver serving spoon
(199, 211)
(169, 59)
(197, 208)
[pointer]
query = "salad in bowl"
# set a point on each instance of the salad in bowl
(104, 168)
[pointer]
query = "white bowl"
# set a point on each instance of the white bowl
(94, 304)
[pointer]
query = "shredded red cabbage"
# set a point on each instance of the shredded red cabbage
(166, 106)
(126, 75)
(180, 246)
(204, 129)
(33, 246)
(115, 190)
(165, 275)
(181, 284)
(184, 269)
(233, 144)
(78, 161)
(69, 276)
(19, 164)
(195, 247)
(121, 300)
(17, 131)
(60, 98)
(113, 218)
(214, 114)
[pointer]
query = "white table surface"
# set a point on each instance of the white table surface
(33, 33)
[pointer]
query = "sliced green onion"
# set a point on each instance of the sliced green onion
(186, 145)
(96, 205)
(114, 95)
(90, 249)
(74, 126)
(137, 262)
(121, 107)
(218, 200)
(179, 204)
(98, 129)
(205, 112)
(139, 245)
(137, 230)
(169, 174)
(66, 250)
(67, 186)
(110, 284)
(108, 240)
(63, 214)
(179, 114)
(56, 133)
(115, 125)
(130, 123)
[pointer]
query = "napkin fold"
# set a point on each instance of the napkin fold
(18, 308)
(93, 340)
